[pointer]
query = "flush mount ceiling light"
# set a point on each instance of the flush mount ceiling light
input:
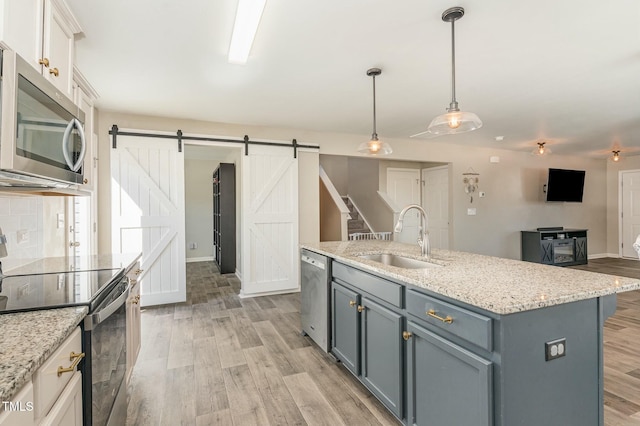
(454, 121)
(541, 149)
(245, 27)
(374, 146)
(616, 156)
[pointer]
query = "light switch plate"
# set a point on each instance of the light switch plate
(471, 211)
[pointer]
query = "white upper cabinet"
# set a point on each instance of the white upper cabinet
(43, 33)
(84, 95)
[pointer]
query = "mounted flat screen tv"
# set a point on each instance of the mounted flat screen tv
(565, 185)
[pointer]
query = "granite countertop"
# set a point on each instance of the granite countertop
(50, 265)
(28, 339)
(502, 286)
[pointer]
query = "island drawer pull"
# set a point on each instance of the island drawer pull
(406, 335)
(360, 308)
(76, 358)
(352, 303)
(432, 314)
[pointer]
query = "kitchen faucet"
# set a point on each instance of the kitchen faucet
(423, 236)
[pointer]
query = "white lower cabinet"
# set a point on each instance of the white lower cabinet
(67, 411)
(54, 394)
(133, 320)
(19, 411)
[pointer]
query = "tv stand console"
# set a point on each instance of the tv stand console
(555, 246)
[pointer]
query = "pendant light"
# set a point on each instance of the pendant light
(454, 121)
(374, 146)
(541, 149)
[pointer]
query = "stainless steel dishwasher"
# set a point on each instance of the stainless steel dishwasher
(315, 272)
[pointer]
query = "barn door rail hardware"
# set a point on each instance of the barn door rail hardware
(180, 137)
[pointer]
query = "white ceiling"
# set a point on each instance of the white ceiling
(567, 72)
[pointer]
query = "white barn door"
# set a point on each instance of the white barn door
(269, 221)
(147, 211)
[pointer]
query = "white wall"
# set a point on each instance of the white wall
(198, 198)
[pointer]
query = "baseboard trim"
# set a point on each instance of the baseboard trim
(199, 259)
(267, 293)
(602, 255)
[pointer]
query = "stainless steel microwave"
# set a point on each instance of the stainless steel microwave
(42, 141)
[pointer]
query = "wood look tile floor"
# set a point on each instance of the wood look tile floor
(221, 360)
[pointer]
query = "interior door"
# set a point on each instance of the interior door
(403, 187)
(630, 211)
(269, 214)
(435, 201)
(147, 210)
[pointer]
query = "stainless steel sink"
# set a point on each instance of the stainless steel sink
(399, 261)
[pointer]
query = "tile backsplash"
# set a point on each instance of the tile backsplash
(21, 220)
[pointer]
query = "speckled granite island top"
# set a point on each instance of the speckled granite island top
(28, 339)
(49, 265)
(502, 286)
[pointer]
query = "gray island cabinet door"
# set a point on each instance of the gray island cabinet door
(345, 340)
(446, 384)
(382, 354)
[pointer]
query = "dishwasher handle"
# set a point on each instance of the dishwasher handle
(312, 261)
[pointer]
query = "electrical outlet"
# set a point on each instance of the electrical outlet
(555, 349)
(22, 236)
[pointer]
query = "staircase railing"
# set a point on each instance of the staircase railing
(340, 204)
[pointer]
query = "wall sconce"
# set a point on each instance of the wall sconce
(616, 156)
(470, 180)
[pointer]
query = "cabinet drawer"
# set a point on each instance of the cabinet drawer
(465, 324)
(375, 286)
(47, 384)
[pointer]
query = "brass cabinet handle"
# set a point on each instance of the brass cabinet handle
(406, 335)
(76, 358)
(54, 71)
(360, 308)
(85, 181)
(352, 303)
(432, 313)
(135, 300)
(44, 61)
(138, 271)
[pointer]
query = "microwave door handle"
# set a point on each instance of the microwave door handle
(92, 320)
(74, 123)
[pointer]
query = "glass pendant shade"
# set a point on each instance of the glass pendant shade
(454, 122)
(375, 147)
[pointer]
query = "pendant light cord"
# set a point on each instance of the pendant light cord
(454, 103)
(375, 134)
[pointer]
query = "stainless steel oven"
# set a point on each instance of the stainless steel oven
(42, 141)
(105, 339)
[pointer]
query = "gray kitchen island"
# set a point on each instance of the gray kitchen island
(467, 339)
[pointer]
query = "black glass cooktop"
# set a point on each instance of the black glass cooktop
(42, 291)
